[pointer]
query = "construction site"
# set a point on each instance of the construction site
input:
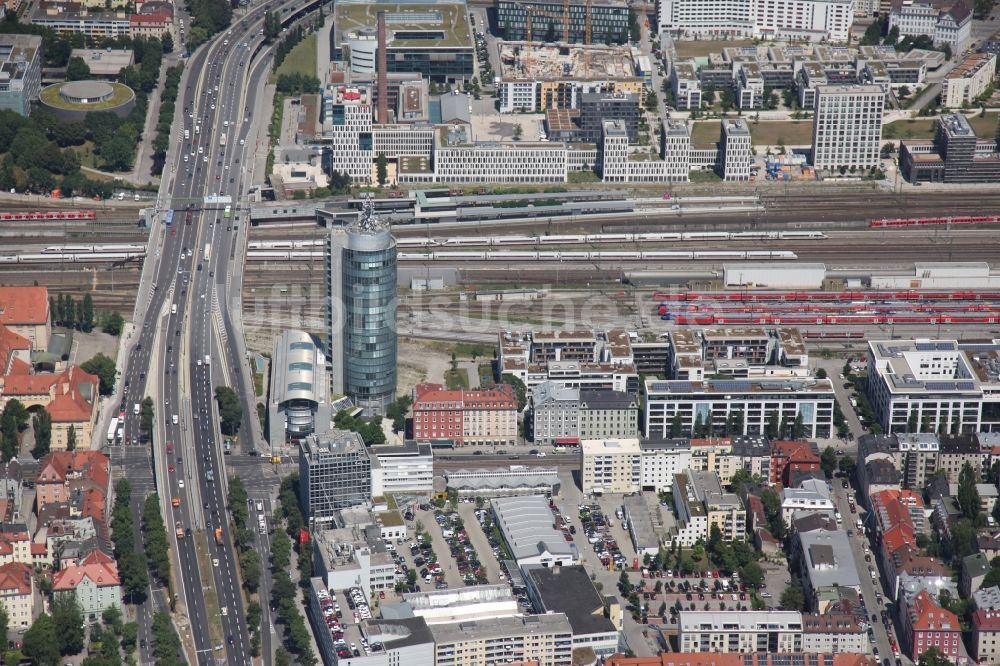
(547, 62)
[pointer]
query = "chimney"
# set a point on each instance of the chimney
(381, 66)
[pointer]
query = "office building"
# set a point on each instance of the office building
(458, 159)
(361, 312)
(608, 415)
(746, 631)
(20, 72)
(847, 128)
(356, 556)
(432, 37)
(970, 79)
(402, 468)
(735, 151)
(610, 465)
(685, 85)
(714, 402)
(596, 108)
(504, 481)
(555, 414)
(826, 563)
(577, 359)
(807, 20)
(545, 20)
(347, 124)
(947, 22)
(334, 473)
(661, 461)
(955, 155)
(938, 385)
(569, 591)
(544, 639)
(91, 24)
(525, 523)
(465, 416)
(298, 404)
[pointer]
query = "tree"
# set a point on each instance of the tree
(168, 43)
(77, 69)
(146, 417)
(873, 34)
(828, 461)
(113, 324)
(104, 367)
(771, 428)
(382, 169)
(4, 621)
(798, 427)
(752, 574)
(230, 411)
(281, 550)
(71, 438)
(968, 496)
(87, 320)
(42, 425)
(793, 598)
(934, 657)
(41, 643)
(846, 465)
(68, 621)
(652, 102)
(520, 390)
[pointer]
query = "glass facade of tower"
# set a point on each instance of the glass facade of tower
(369, 310)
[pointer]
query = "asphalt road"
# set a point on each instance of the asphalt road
(180, 275)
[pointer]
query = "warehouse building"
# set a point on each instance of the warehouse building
(526, 524)
(504, 482)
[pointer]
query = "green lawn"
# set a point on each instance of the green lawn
(766, 133)
(302, 59)
(486, 374)
(456, 379)
(701, 48)
(923, 128)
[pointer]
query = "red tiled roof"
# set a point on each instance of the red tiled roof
(15, 576)
(927, 615)
(10, 342)
(39, 549)
(795, 451)
(986, 620)
(56, 466)
(101, 573)
(500, 397)
(24, 306)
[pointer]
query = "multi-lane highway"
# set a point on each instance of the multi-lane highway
(188, 275)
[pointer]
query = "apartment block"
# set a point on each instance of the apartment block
(746, 631)
(685, 85)
(610, 465)
(942, 385)
(927, 625)
(986, 636)
(555, 414)
(847, 127)
(662, 460)
(968, 80)
(834, 633)
(811, 20)
(463, 416)
(947, 22)
(735, 151)
(701, 503)
(545, 639)
(608, 415)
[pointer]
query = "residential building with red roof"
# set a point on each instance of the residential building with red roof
(15, 544)
(70, 397)
(152, 24)
(15, 352)
(25, 311)
(788, 457)
(17, 593)
(65, 473)
(463, 416)
(986, 636)
(94, 583)
(927, 625)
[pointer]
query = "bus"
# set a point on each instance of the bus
(227, 212)
(169, 219)
(208, 251)
(112, 430)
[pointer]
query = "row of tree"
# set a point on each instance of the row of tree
(131, 563)
(167, 106)
(154, 534)
(297, 84)
(296, 634)
(285, 46)
(250, 562)
(166, 643)
(208, 18)
(230, 410)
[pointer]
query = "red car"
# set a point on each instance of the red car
(170, 468)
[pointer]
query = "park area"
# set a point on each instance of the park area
(301, 59)
(766, 133)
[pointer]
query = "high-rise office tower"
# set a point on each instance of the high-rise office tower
(847, 128)
(361, 311)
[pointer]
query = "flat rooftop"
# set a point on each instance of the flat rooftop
(424, 25)
(741, 386)
(501, 627)
(523, 61)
